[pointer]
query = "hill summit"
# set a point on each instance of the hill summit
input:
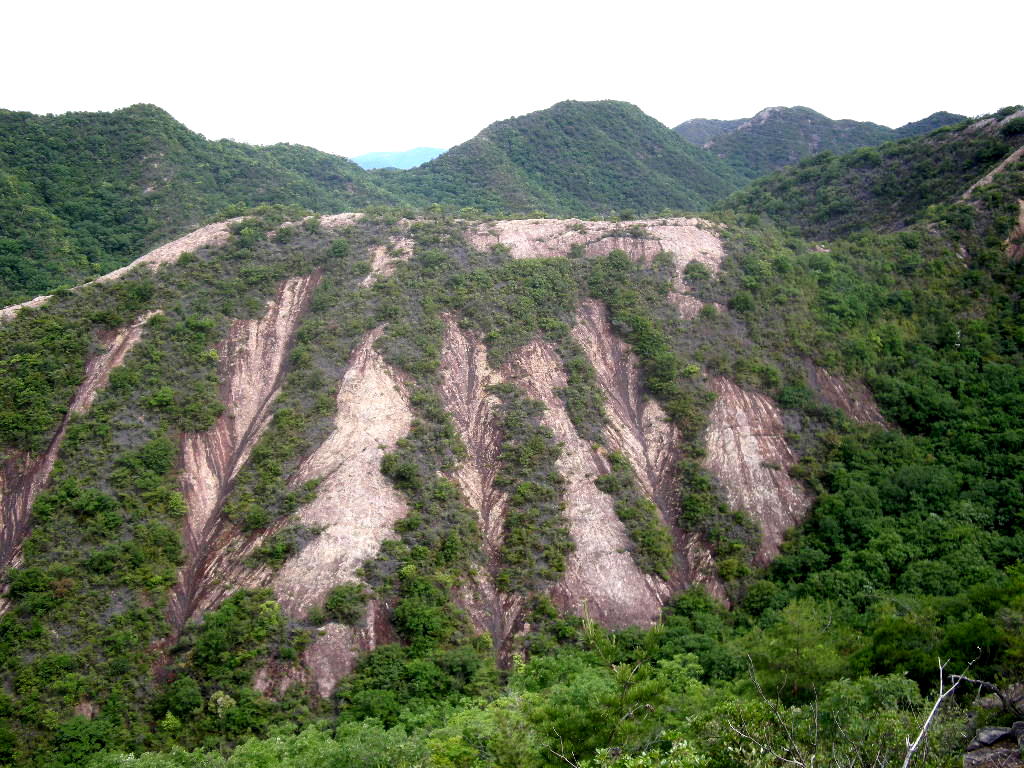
(780, 136)
(575, 158)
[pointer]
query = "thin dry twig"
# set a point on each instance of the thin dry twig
(944, 693)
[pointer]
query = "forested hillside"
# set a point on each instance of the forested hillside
(447, 489)
(575, 158)
(84, 193)
(780, 136)
(891, 186)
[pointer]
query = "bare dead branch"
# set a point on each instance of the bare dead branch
(944, 693)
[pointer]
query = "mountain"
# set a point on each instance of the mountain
(931, 123)
(87, 192)
(436, 489)
(701, 130)
(887, 187)
(403, 160)
(575, 158)
(780, 136)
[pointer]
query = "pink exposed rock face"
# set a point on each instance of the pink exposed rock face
(465, 377)
(385, 257)
(210, 235)
(686, 239)
(640, 430)
(601, 579)
(637, 427)
(549, 238)
(355, 504)
(356, 507)
(851, 397)
(337, 221)
(23, 476)
(252, 362)
(748, 455)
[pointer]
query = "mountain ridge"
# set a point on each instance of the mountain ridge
(607, 155)
(780, 136)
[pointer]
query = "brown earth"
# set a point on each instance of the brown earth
(851, 397)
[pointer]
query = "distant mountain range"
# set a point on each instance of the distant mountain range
(410, 158)
(780, 136)
(85, 193)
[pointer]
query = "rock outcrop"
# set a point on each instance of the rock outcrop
(748, 456)
(23, 476)
(639, 429)
(356, 509)
(601, 580)
(996, 748)
(253, 358)
(465, 377)
(851, 397)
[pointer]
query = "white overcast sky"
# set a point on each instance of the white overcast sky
(351, 78)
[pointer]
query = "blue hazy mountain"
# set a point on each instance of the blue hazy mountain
(404, 160)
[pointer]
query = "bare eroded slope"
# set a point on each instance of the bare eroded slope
(253, 360)
(23, 476)
(639, 429)
(356, 508)
(748, 455)
(601, 580)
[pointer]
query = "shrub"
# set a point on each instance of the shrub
(346, 603)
